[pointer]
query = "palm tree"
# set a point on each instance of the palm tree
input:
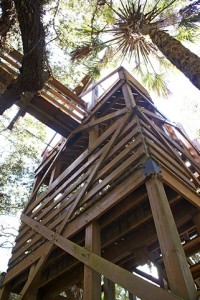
(140, 30)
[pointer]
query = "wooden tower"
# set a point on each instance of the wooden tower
(119, 191)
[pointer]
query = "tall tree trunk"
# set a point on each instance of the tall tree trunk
(181, 57)
(34, 70)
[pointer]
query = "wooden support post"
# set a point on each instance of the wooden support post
(128, 96)
(132, 297)
(177, 269)
(4, 292)
(56, 171)
(92, 279)
(32, 294)
(109, 289)
(196, 220)
(132, 283)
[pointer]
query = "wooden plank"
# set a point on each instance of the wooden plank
(178, 273)
(128, 96)
(92, 279)
(52, 164)
(12, 62)
(129, 281)
(141, 236)
(173, 144)
(158, 146)
(4, 292)
(66, 281)
(69, 181)
(105, 98)
(121, 169)
(105, 153)
(94, 212)
(28, 237)
(131, 161)
(43, 259)
(61, 106)
(79, 160)
(108, 201)
(137, 85)
(180, 187)
(109, 289)
(101, 120)
(59, 86)
(196, 220)
(47, 116)
(165, 141)
(63, 99)
(100, 81)
(164, 160)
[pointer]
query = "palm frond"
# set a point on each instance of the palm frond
(157, 83)
(159, 10)
(191, 22)
(87, 49)
(81, 52)
(187, 34)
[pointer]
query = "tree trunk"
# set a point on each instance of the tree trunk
(34, 71)
(181, 57)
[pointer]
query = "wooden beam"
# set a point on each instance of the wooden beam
(92, 279)
(163, 138)
(62, 283)
(102, 119)
(197, 222)
(108, 148)
(97, 166)
(178, 185)
(94, 212)
(109, 289)
(129, 281)
(4, 292)
(132, 297)
(128, 96)
(177, 269)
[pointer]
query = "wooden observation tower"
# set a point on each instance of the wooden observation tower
(121, 190)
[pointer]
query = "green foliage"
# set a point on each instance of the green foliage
(20, 150)
(117, 26)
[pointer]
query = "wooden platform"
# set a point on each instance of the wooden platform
(120, 191)
(55, 105)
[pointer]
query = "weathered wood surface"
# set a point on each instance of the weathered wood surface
(129, 281)
(103, 181)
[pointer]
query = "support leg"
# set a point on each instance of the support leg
(109, 289)
(4, 293)
(178, 273)
(92, 279)
(131, 296)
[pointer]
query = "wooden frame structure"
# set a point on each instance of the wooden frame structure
(121, 190)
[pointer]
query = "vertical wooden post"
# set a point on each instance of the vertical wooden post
(92, 279)
(32, 294)
(128, 96)
(109, 289)
(56, 171)
(4, 293)
(131, 296)
(196, 220)
(179, 276)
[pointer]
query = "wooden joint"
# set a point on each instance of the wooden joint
(151, 168)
